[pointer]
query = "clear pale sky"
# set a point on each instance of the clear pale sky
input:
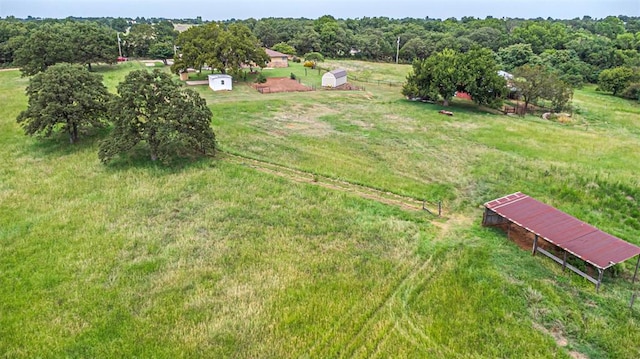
(242, 9)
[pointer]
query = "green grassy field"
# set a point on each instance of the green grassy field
(216, 259)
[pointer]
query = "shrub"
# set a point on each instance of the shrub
(632, 91)
(261, 78)
(296, 59)
(314, 56)
(292, 76)
(309, 64)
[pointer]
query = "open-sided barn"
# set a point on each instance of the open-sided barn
(563, 233)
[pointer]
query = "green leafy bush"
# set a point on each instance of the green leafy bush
(632, 91)
(261, 78)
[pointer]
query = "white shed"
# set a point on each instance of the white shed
(220, 82)
(334, 78)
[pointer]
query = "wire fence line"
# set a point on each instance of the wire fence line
(377, 82)
(365, 80)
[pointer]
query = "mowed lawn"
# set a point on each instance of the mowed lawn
(215, 259)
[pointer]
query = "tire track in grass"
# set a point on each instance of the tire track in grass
(357, 344)
(385, 197)
(402, 322)
(415, 278)
(323, 345)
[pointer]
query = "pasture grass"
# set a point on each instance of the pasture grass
(214, 259)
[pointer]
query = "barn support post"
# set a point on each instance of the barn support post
(564, 261)
(535, 245)
(600, 272)
(635, 274)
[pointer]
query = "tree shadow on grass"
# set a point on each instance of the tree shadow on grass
(58, 144)
(139, 158)
(455, 106)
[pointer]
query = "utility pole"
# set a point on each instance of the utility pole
(397, 50)
(119, 47)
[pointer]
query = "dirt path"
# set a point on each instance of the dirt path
(404, 202)
(10, 69)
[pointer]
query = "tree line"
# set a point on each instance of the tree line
(577, 50)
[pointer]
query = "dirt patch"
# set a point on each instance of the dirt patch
(281, 84)
(560, 340)
(300, 120)
(577, 355)
(405, 124)
(555, 333)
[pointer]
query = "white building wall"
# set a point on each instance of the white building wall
(328, 80)
(221, 82)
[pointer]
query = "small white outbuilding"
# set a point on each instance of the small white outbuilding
(221, 82)
(334, 78)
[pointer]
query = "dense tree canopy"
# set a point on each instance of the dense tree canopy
(139, 40)
(151, 108)
(481, 79)
(444, 73)
(73, 42)
(162, 51)
(226, 49)
(64, 97)
(617, 79)
(516, 55)
(538, 82)
(142, 38)
(284, 48)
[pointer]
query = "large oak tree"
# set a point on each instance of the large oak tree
(153, 109)
(73, 42)
(448, 71)
(225, 49)
(66, 98)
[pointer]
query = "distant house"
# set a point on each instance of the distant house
(278, 59)
(334, 78)
(221, 82)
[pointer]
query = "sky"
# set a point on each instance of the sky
(312, 9)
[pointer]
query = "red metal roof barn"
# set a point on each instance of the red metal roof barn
(569, 234)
